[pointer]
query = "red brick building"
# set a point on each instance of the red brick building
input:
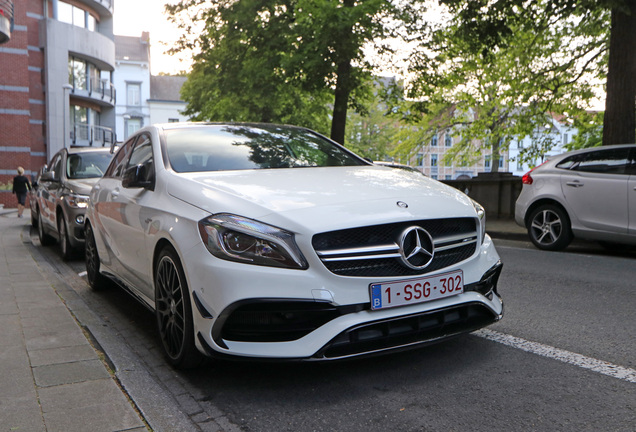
(56, 65)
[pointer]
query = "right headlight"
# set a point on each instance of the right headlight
(239, 239)
(481, 215)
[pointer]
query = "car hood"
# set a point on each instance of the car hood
(322, 198)
(81, 186)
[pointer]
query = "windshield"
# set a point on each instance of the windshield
(245, 147)
(87, 165)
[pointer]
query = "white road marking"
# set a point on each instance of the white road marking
(600, 366)
(82, 274)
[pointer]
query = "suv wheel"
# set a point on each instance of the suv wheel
(549, 228)
(66, 250)
(45, 239)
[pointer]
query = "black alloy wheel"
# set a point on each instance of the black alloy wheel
(174, 311)
(549, 228)
(45, 239)
(66, 250)
(96, 280)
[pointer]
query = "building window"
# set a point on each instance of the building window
(448, 140)
(520, 144)
(434, 141)
(420, 159)
(487, 161)
(70, 14)
(133, 125)
(434, 176)
(448, 177)
(133, 94)
(77, 74)
(500, 162)
(433, 160)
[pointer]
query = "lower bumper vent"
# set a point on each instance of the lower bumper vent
(407, 332)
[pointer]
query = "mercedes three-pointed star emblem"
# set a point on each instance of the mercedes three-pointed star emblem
(416, 248)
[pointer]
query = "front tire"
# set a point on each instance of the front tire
(45, 239)
(66, 250)
(173, 311)
(96, 280)
(549, 228)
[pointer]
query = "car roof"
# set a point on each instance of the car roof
(85, 149)
(589, 149)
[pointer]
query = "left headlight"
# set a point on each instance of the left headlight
(481, 215)
(76, 200)
(244, 240)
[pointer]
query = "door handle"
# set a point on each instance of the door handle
(574, 183)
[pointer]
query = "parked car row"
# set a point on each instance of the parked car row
(268, 241)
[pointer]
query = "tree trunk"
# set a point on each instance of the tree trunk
(341, 102)
(619, 123)
(494, 158)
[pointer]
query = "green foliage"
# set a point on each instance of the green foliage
(281, 61)
(590, 131)
(490, 80)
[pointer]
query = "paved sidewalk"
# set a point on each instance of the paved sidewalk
(52, 378)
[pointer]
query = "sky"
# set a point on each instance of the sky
(132, 17)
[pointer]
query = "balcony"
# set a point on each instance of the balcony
(84, 135)
(6, 20)
(100, 91)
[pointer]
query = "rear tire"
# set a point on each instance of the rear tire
(96, 280)
(549, 228)
(173, 311)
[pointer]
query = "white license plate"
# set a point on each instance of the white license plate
(405, 292)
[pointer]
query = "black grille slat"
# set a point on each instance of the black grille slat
(382, 235)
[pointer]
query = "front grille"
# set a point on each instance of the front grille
(407, 332)
(373, 251)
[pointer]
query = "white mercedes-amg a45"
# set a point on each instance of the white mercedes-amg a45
(273, 242)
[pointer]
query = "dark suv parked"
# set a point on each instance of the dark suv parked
(62, 195)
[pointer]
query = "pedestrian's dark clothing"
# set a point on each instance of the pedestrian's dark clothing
(21, 186)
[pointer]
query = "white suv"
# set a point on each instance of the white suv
(269, 241)
(588, 194)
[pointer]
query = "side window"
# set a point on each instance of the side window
(117, 164)
(614, 161)
(142, 155)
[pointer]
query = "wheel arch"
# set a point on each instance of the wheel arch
(545, 201)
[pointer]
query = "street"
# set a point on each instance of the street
(567, 362)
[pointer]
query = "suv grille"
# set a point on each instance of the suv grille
(374, 251)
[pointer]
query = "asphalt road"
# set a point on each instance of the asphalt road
(565, 313)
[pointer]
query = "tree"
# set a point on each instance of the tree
(539, 68)
(283, 60)
(490, 24)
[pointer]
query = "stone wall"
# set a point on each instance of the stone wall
(497, 192)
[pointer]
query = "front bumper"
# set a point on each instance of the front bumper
(315, 325)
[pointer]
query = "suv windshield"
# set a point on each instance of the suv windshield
(245, 147)
(87, 165)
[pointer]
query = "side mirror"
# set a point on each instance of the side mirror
(136, 177)
(48, 176)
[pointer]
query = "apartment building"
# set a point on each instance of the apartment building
(56, 82)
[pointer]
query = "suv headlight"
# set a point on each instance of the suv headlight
(481, 215)
(76, 200)
(244, 240)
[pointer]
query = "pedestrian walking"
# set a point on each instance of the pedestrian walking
(21, 186)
